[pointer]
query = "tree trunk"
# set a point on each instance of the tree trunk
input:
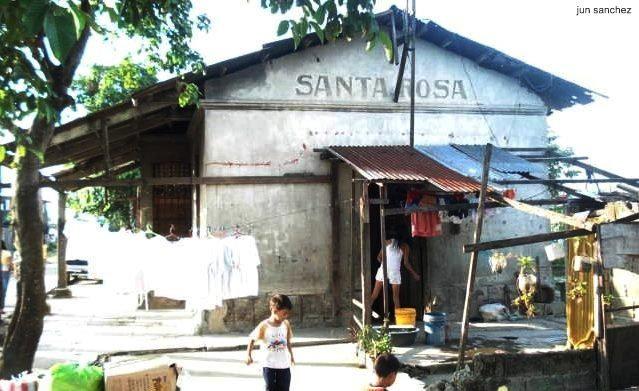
(25, 329)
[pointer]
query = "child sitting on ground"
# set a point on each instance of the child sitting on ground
(386, 367)
(275, 332)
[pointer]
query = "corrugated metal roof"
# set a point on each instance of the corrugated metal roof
(404, 164)
(556, 92)
(500, 159)
(458, 161)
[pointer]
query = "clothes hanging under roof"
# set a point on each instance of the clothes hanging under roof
(423, 224)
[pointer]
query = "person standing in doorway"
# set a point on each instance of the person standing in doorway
(275, 332)
(394, 257)
(7, 268)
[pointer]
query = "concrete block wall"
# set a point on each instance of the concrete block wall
(242, 315)
(448, 265)
(565, 370)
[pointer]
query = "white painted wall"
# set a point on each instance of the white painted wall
(260, 122)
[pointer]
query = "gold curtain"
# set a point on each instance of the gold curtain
(580, 314)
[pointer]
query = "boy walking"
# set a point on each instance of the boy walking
(275, 334)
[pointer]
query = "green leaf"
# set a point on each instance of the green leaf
(21, 151)
(331, 8)
(385, 40)
(79, 18)
(296, 39)
(113, 14)
(303, 27)
(59, 27)
(3, 153)
(370, 45)
(33, 16)
(320, 14)
(282, 28)
(318, 31)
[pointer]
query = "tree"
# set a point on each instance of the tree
(109, 85)
(41, 45)
(115, 205)
(106, 86)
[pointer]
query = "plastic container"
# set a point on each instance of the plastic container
(401, 336)
(555, 251)
(435, 328)
(405, 316)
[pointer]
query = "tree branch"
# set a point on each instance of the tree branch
(10, 126)
(46, 63)
(71, 63)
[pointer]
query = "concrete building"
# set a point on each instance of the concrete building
(250, 152)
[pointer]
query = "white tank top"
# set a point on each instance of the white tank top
(393, 259)
(276, 347)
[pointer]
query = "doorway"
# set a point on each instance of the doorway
(172, 204)
(411, 291)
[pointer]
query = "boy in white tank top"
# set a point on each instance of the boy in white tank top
(275, 334)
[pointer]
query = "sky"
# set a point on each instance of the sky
(592, 50)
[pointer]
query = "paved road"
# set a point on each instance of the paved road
(328, 367)
(96, 321)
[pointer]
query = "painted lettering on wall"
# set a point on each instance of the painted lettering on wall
(345, 87)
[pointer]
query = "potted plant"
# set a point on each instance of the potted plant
(578, 290)
(373, 342)
(498, 261)
(582, 264)
(607, 302)
(526, 280)
(526, 285)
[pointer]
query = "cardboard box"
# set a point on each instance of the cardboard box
(148, 375)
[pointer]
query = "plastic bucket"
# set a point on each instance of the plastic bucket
(435, 328)
(405, 316)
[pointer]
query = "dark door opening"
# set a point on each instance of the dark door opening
(411, 291)
(172, 204)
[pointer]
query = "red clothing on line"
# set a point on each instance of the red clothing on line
(426, 224)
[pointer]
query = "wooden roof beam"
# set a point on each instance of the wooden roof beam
(77, 157)
(80, 128)
(96, 165)
(541, 212)
(571, 180)
(67, 153)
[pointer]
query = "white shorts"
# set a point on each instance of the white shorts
(394, 277)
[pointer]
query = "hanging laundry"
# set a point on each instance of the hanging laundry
(202, 271)
(459, 214)
(426, 224)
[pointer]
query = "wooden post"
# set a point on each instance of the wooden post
(603, 367)
(382, 231)
(472, 269)
(365, 254)
(336, 240)
(412, 74)
(351, 257)
(62, 290)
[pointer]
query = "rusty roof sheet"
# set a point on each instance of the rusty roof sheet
(402, 163)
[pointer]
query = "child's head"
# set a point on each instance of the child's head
(386, 367)
(280, 306)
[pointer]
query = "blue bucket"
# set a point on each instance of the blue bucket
(435, 328)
